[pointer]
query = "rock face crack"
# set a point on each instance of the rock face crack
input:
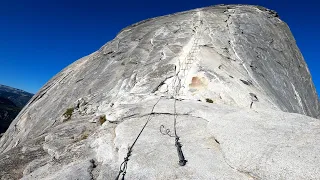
(154, 113)
(91, 169)
(161, 84)
(246, 173)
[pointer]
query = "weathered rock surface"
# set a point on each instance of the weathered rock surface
(218, 62)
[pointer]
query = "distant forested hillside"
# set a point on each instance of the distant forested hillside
(11, 102)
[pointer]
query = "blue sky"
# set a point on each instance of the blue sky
(40, 38)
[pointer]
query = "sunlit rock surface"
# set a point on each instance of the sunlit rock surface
(247, 107)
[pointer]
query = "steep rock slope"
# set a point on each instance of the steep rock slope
(238, 78)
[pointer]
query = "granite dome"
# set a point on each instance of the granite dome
(246, 104)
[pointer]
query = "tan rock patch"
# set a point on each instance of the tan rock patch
(198, 83)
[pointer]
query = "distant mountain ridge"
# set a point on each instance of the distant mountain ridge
(5, 101)
(12, 100)
(17, 96)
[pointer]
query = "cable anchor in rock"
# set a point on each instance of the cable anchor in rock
(182, 160)
(123, 166)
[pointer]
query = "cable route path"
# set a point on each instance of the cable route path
(181, 75)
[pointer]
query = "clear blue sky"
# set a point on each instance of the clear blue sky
(40, 38)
